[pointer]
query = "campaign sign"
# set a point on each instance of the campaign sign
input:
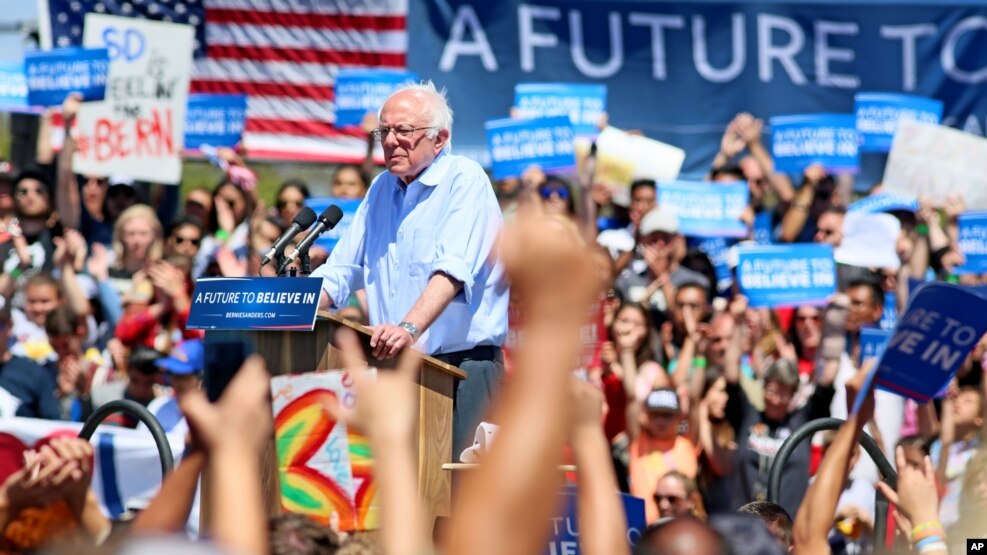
(517, 144)
(883, 202)
(564, 539)
(941, 325)
(717, 249)
(829, 140)
(584, 104)
(706, 209)
(137, 129)
(889, 318)
(215, 119)
(973, 242)
(329, 239)
(763, 232)
(872, 342)
(54, 74)
(358, 91)
(13, 89)
(786, 275)
(254, 303)
(878, 115)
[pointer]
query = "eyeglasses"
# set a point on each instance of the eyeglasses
(22, 192)
(401, 132)
(670, 498)
(815, 318)
(182, 240)
(547, 193)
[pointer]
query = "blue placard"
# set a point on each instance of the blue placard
(763, 231)
(254, 303)
(215, 119)
(878, 115)
(516, 145)
(52, 75)
(358, 91)
(829, 140)
(973, 242)
(584, 104)
(718, 251)
(940, 327)
(786, 275)
(564, 538)
(329, 239)
(706, 209)
(889, 318)
(13, 89)
(883, 202)
(872, 342)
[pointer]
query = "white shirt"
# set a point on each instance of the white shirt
(446, 221)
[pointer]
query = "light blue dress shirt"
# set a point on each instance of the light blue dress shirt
(447, 221)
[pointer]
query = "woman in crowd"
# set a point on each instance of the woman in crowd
(290, 199)
(138, 241)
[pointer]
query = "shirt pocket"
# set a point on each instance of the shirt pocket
(421, 251)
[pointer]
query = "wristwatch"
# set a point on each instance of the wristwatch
(412, 329)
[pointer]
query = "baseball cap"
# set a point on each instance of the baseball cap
(36, 173)
(659, 219)
(662, 400)
(188, 357)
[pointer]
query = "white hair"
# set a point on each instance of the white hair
(438, 114)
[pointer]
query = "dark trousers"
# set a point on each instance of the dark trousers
(484, 367)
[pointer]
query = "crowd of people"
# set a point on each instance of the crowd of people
(681, 395)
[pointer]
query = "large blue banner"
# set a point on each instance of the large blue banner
(973, 243)
(878, 115)
(215, 119)
(706, 209)
(517, 144)
(54, 74)
(584, 104)
(786, 275)
(679, 71)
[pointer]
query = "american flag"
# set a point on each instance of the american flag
(282, 53)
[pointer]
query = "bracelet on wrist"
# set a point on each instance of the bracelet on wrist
(922, 229)
(222, 235)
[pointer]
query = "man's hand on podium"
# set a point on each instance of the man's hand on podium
(389, 340)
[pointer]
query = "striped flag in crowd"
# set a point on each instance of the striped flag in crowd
(282, 53)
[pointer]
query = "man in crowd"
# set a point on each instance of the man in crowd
(25, 388)
(421, 243)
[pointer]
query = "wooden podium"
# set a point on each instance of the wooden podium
(294, 352)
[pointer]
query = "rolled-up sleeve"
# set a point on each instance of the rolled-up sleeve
(342, 274)
(470, 224)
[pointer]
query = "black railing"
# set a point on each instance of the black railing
(136, 410)
(888, 474)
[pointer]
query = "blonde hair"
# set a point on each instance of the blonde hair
(138, 212)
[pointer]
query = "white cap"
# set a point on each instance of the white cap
(659, 219)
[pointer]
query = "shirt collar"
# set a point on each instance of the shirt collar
(436, 172)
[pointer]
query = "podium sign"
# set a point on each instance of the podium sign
(254, 303)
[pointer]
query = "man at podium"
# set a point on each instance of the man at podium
(421, 244)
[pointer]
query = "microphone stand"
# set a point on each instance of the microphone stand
(305, 261)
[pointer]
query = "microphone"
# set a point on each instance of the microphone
(302, 221)
(327, 220)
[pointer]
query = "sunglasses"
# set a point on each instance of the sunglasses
(547, 193)
(182, 240)
(670, 498)
(808, 318)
